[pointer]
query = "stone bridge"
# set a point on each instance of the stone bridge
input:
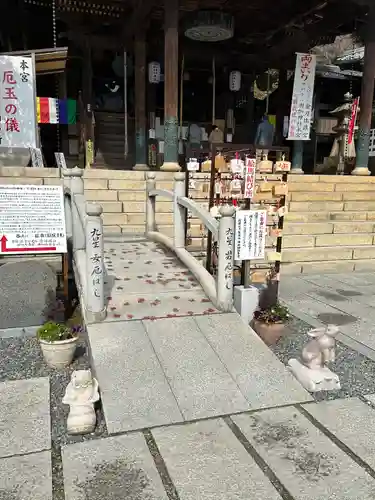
(165, 342)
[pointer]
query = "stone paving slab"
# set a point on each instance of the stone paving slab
(199, 380)
(158, 305)
(134, 391)
(308, 464)
(207, 462)
(27, 477)
(25, 425)
(351, 421)
(110, 469)
(262, 378)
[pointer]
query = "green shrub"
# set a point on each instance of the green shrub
(55, 332)
(273, 314)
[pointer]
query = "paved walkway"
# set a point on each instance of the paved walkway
(314, 451)
(347, 300)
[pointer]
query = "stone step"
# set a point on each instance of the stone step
(329, 216)
(328, 253)
(339, 227)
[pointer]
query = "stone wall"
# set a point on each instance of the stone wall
(122, 195)
(330, 225)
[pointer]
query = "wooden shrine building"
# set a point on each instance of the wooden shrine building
(138, 66)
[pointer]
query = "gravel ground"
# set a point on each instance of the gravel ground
(356, 372)
(21, 358)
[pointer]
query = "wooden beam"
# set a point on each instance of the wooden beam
(141, 12)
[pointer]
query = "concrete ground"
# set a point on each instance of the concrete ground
(289, 448)
(346, 300)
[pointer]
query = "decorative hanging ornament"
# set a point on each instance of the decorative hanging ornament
(235, 81)
(154, 72)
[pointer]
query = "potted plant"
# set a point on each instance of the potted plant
(58, 343)
(269, 323)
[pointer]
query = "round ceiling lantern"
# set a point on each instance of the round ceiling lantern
(210, 26)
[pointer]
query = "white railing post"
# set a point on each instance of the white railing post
(150, 202)
(73, 182)
(225, 259)
(73, 179)
(179, 211)
(94, 289)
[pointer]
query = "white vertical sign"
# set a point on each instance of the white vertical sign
(302, 99)
(17, 102)
(250, 234)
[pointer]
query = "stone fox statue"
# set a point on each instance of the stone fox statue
(320, 350)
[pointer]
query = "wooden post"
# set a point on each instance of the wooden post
(170, 86)
(367, 97)
(87, 99)
(140, 102)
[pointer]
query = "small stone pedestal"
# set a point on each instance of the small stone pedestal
(321, 379)
(246, 301)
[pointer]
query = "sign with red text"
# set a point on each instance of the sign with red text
(17, 102)
(353, 120)
(32, 219)
(302, 99)
(250, 234)
(249, 178)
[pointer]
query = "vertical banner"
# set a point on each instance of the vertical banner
(302, 99)
(17, 103)
(353, 119)
(250, 167)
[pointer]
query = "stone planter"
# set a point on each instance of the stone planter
(269, 333)
(59, 354)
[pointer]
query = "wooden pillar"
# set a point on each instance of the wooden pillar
(140, 103)
(88, 104)
(170, 86)
(367, 97)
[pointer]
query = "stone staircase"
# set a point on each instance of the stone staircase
(330, 225)
(110, 138)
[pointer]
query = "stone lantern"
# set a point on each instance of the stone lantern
(341, 148)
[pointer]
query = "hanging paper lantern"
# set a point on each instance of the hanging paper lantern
(235, 81)
(154, 72)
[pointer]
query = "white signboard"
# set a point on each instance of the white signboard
(17, 102)
(36, 158)
(250, 235)
(302, 99)
(32, 219)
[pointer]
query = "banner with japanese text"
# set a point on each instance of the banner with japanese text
(302, 99)
(17, 102)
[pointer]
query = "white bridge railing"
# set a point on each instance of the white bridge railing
(220, 291)
(84, 228)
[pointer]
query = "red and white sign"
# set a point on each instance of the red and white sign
(249, 178)
(302, 99)
(353, 119)
(17, 102)
(32, 219)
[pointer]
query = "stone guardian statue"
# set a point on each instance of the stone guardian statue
(81, 394)
(313, 373)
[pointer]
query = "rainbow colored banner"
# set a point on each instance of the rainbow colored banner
(61, 111)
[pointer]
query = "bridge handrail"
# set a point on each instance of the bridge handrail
(85, 232)
(220, 291)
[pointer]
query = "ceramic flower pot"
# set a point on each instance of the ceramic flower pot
(269, 333)
(59, 354)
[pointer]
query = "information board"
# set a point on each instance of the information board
(250, 234)
(17, 102)
(32, 219)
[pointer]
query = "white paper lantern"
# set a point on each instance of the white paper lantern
(235, 81)
(154, 72)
